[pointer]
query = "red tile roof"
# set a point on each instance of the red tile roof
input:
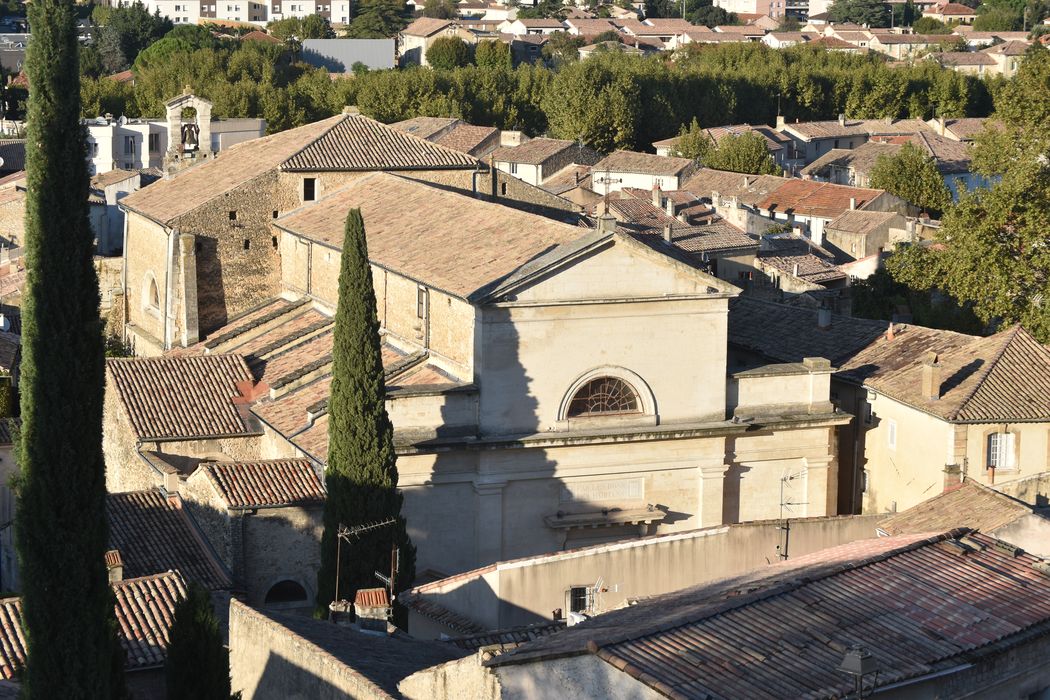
(970, 505)
(644, 163)
(266, 483)
(181, 397)
(372, 597)
(154, 533)
(145, 609)
(918, 604)
(820, 199)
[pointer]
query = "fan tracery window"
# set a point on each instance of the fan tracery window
(604, 396)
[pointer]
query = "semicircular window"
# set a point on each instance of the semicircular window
(604, 396)
(285, 592)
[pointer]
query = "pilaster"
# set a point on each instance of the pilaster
(489, 523)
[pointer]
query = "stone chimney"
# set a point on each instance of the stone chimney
(607, 223)
(890, 334)
(657, 199)
(941, 127)
(114, 566)
(842, 120)
(931, 377)
(372, 609)
(952, 476)
(823, 318)
(780, 121)
(668, 233)
(852, 203)
(794, 270)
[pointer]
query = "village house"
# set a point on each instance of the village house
(107, 219)
(521, 27)
(929, 404)
(641, 170)
(859, 234)
(519, 402)
(853, 167)
(537, 160)
(199, 248)
(814, 139)
(951, 13)
(456, 134)
(818, 625)
(417, 37)
(901, 47)
(1000, 59)
(779, 145)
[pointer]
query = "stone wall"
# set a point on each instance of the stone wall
(125, 469)
(147, 262)
(464, 679)
(282, 544)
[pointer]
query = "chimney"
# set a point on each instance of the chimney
(352, 110)
(607, 223)
(842, 120)
(852, 203)
(941, 128)
(669, 206)
(657, 202)
(339, 613)
(952, 476)
(747, 181)
(780, 121)
(372, 609)
(794, 271)
(823, 318)
(114, 566)
(668, 233)
(889, 333)
(931, 377)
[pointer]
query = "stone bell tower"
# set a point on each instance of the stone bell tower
(189, 131)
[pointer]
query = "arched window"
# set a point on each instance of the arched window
(604, 396)
(150, 293)
(285, 592)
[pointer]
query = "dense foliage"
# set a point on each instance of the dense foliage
(198, 665)
(870, 13)
(992, 248)
(448, 53)
(67, 604)
(608, 101)
(361, 475)
(912, 175)
(746, 153)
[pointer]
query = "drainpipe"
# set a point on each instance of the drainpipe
(124, 278)
(173, 235)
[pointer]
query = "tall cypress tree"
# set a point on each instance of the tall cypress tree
(198, 665)
(61, 532)
(361, 476)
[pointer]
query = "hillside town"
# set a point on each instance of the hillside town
(500, 351)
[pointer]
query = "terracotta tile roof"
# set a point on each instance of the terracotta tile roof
(468, 138)
(426, 26)
(166, 200)
(965, 129)
(782, 632)
(952, 156)
(1009, 48)
(591, 27)
(424, 127)
(568, 179)
(154, 533)
(952, 8)
(534, 152)
(266, 483)
(821, 199)
(963, 58)
(861, 221)
(541, 23)
(644, 163)
(372, 597)
(506, 638)
(1001, 378)
(260, 36)
(833, 44)
(145, 609)
(461, 247)
(358, 143)
(797, 257)
(856, 127)
(717, 237)
(748, 189)
(745, 29)
(775, 141)
(111, 178)
(181, 397)
(969, 505)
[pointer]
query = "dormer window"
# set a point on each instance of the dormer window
(604, 396)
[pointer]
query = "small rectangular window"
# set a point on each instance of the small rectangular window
(233, 216)
(247, 244)
(273, 240)
(275, 213)
(309, 189)
(513, 168)
(578, 599)
(421, 302)
(154, 143)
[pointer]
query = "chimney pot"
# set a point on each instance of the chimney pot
(823, 316)
(668, 233)
(931, 377)
(669, 206)
(890, 335)
(372, 609)
(794, 271)
(114, 566)
(657, 201)
(941, 125)
(852, 203)
(842, 120)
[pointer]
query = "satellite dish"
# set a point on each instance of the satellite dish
(101, 121)
(123, 120)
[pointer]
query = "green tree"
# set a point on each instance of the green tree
(448, 53)
(912, 175)
(694, 143)
(377, 19)
(997, 19)
(8, 398)
(562, 47)
(991, 249)
(711, 16)
(929, 25)
(746, 153)
(789, 24)
(132, 29)
(67, 604)
(492, 54)
(361, 475)
(198, 665)
(870, 12)
(440, 9)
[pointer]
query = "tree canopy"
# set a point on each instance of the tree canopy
(912, 175)
(377, 19)
(492, 54)
(301, 28)
(991, 249)
(872, 13)
(198, 664)
(448, 53)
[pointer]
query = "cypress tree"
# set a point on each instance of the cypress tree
(198, 665)
(67, 604)
(361, 475)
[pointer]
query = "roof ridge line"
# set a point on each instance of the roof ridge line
(985, 372)
(317, 138)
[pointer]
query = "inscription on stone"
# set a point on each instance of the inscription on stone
(605, 491)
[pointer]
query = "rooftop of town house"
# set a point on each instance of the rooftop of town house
(643, 164)
(781, 631)
(344, 142)
(535, 151)
(818, 199)
(268, 483)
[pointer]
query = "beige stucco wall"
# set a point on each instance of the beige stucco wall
(146, 258)
(464, 679)
(584, 676)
